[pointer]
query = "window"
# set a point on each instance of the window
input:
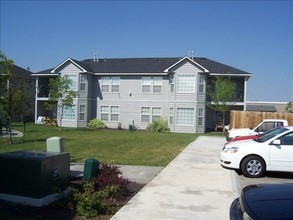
(82, 112)
(171, 116)
(157, 84)
(171, 82)
(201, 84)
(146, 84)
(73, 85)
(200, 117)
(149, 114)
(109, 113)
(104, 113)
(186, 84)
(110, 84)
(156, 113)
(115, 84)
(152, 84)
(145, 114)
(82, 82)
(185, 116)
(105, 84)
(114, 113)
(69, 113)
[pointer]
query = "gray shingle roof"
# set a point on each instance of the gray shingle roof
(147, 65)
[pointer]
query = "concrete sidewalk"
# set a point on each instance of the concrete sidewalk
(192, 186)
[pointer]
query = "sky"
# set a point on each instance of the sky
(254, 36)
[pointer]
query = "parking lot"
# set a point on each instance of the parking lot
(269, 177)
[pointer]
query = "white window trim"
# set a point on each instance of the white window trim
(110, 84)
(193, 117)
(152, 82)
(179, 86)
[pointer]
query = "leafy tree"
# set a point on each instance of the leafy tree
(60, 95)
(5, 91)
(289, 107)
(222, 97)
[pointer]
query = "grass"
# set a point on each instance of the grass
(111, 146)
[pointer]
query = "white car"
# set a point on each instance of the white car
(271, 152)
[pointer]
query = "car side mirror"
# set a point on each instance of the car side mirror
(276, 142)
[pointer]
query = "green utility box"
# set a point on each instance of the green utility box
(34, 174)
(55, 144)
(91, 168)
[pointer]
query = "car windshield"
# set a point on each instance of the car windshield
(270, 134)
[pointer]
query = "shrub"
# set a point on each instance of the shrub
(158, 125)
(96, 124)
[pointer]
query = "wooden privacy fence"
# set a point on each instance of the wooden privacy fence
(249, 119)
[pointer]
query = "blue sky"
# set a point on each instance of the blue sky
(254, 36)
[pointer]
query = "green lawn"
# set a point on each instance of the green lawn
(111, 146)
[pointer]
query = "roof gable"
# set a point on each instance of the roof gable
(186, 58)
(74, 62)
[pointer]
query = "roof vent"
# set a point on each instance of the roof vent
(96, 57)
(190, 54)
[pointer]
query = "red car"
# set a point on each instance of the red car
(246, 137)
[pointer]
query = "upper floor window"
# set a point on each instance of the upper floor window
(73, 85)
(171, 82)
(82, 82)
(110, 84)
(201, 84)
(186, 84)
(152, 84)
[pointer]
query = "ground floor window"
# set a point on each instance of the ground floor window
(82, 112)
(69, 113)
(149, 114)
(171, 116)
(185, 116)
(200, 117)
(109, 113)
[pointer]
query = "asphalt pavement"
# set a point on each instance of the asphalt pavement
(192, 186)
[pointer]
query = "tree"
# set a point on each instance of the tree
(60, 95)
(222, 96)
(5, 91)
(289, 107)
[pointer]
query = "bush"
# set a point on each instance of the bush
(96, 124)
(158, 125)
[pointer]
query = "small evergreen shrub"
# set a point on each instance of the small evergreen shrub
(158, 125)
(96, 124)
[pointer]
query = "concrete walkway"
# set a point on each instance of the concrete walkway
(192, 186)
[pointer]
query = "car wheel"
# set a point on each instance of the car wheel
(253, 166)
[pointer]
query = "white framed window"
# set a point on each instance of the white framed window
(149, 114)
(157, 84)
(171, 116)
(109, 113)
(114, 110)
(145, 114)
(69, 112)
(105, 81)
(201, 83)
(115, 84)
(156, 113)
(185, 116)
(73, 85)
(82, 82)
(200, 117)
(172, 84)
(186, 84)
(152, 84)
(146, 84)
(81, 112)
(104, 113)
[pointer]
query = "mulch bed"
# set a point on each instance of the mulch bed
(54, 211)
